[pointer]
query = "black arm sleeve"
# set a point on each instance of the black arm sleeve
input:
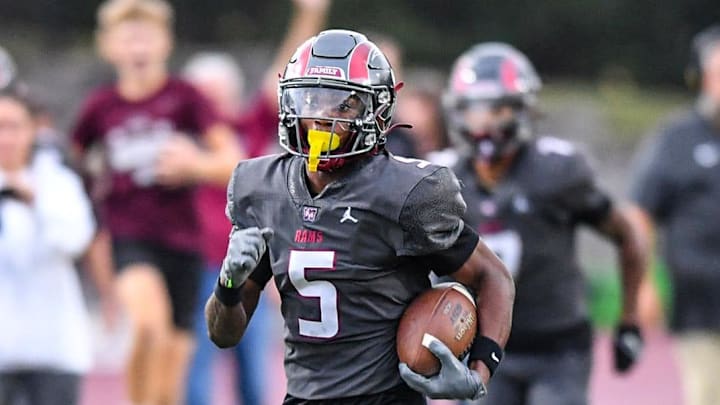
(230, 210)
(263, 272)
(589, 204)
(580, 194)
(450, 260)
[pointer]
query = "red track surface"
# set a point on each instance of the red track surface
(654, 382)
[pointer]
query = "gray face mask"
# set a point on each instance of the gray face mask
(709, 109)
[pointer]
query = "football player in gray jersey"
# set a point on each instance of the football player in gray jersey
(527, 197)
(350, 233)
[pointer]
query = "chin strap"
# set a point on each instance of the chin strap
(400, 125)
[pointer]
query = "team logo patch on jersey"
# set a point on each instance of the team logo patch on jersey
(488, 208)
(347, 216)
(706, 155)
(521, 204)
(331, 71)
(309, 213)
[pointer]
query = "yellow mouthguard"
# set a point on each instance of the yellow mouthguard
(320, 141)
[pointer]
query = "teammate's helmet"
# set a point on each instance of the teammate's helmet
(7, 69)
(340, 78)
(491, 75)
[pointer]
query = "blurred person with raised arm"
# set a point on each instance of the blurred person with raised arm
(160, 137)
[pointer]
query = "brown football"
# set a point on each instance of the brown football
(446, 312)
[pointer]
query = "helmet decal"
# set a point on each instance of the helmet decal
(329, 71)
(358, 64)
(509, 76)
(299, 61)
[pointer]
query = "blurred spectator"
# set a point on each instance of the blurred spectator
(527, 196)
(678, 187)
(45, 224)
(160, 137)
(221, 80)
(399, 140)
(421, 108)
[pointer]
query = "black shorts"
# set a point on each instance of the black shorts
(400, 395)
(181, 271)
(39, 387)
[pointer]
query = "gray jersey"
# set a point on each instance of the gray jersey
(348, 261)
(678, 183)
(529, 219)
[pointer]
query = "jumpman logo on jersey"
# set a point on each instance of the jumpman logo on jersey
(347, 216)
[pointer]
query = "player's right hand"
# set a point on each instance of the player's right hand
(245, 249)
(454, 381)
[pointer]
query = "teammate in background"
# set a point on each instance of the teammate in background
(220, 79)
(356, 232)
(46, 223)
(527, 197)
(677, 186)
(148, 123)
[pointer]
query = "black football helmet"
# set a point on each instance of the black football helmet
(342, 82)
(487, 77)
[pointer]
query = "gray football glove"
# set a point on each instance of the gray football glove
(245, 249)
(454, 381)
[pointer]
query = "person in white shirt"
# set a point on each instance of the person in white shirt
(46, 223)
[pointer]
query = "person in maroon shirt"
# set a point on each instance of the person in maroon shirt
(255, 120)
(159, 137)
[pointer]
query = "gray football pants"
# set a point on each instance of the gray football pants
(541, 379)
(38, 388)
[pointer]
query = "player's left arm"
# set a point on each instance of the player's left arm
(433, 228)
(588, 204)
(624, 232)
(491, 280)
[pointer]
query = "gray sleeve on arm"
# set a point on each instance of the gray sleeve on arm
(233, 210)
(582, 196)
(431, 218)
(230, 205)
(263, 272)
